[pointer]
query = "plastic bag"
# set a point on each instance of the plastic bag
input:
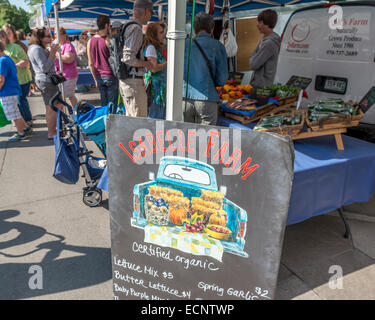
(3, 120)
(66, 158)
(229, 41)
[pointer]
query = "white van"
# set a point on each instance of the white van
(341, 62)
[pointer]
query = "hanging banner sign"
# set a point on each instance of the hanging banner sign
(65, 3)
(197, 212)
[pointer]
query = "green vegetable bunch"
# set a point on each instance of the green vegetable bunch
(280, 90)
(278, 121)
(321, 109)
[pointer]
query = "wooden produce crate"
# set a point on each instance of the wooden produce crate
(288, 100)
(263, 111)
(288, 130)
(259, 112)
(335, 121)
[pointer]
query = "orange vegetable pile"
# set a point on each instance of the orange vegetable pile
(232, 90)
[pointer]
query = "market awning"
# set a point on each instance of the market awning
(178, 10)
(121, 9)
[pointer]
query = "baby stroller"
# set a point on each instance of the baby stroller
(71, 150)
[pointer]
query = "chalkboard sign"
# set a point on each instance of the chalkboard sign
(299, 82)
(197, 212)
(368, 100)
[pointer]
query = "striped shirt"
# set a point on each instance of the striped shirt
(133, 43)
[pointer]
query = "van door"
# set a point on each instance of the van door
(341, 62)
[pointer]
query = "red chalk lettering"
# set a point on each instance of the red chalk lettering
(222, 151)
(247, 170)
(181, 137)
(236, 156)
(151, 141)
(190, 142)
(210, 143)
(170, 141)
(131, 144)
(143, 146)
(160, 140)
(126, 151)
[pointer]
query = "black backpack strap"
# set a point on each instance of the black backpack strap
(209, 65)
(138, 55)
(124, 26)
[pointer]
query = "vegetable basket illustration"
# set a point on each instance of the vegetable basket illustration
(183, 208)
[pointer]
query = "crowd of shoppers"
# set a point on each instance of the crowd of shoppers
(143, 89)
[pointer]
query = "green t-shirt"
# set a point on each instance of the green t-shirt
(17, 54)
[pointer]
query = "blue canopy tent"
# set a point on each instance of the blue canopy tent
(72, 32)
(118, 9)
(121, 9)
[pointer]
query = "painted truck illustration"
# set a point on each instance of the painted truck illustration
(184, 200)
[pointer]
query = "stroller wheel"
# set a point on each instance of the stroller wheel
(92, 197)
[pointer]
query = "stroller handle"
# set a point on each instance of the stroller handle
(57, 99)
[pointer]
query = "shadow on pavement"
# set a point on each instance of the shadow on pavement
(92, 266)
(38, 139)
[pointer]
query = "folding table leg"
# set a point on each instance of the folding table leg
(339, 143)
(347, 228)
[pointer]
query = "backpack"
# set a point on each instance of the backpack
(116, 45)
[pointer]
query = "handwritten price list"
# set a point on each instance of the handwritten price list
(142, 281)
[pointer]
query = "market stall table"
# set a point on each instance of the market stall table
(326, 179)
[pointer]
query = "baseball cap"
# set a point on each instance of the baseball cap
(144, 4)
(116, 24)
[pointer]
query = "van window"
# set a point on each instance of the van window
(188, 174)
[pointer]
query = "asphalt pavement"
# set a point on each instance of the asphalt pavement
(45, 228)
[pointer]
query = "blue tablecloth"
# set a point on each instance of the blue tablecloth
(325, 179)
(85, 77)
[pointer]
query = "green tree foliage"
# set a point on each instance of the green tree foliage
(33, 2)
(17, 17)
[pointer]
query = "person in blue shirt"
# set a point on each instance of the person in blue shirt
(10, 89)
(200, 101)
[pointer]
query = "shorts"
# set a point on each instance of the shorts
(10, 106)
(69, 87)
(134, 96)
(48, 90)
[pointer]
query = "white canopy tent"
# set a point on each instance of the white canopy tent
(176, 35)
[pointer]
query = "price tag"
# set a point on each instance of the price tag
(299, 99)
(299, 82)
(368, 100)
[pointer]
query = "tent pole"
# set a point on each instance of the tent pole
(176, 36)
(57, 33)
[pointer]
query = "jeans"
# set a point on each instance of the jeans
(156, 111)
(23, 104)
(108, 88)
(200, 111)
